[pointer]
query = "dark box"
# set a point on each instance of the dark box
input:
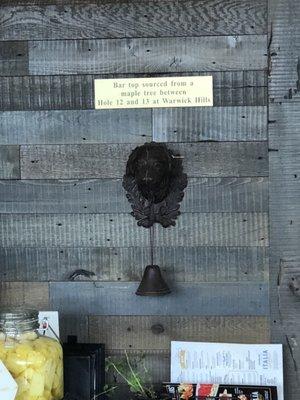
(84, 370)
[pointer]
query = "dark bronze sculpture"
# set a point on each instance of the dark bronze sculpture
(154, 182)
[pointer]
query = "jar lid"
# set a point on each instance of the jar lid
(18, 320)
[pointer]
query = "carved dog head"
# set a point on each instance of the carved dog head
(155, 183)
(152, 166)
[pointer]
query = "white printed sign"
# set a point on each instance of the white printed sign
(187, 91)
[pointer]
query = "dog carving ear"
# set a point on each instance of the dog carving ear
(132, 160)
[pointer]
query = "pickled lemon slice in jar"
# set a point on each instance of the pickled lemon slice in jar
(36, 365)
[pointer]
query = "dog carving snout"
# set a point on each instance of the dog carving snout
(147, 179)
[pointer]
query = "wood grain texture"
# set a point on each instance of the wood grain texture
(58, 20)
(68, 92)
(121, 230)
(69, 211)
(155, 362)
(179, 264)
(284, 51)
(134, 126)
(13, 58)
(109, 161)
(289, 291)
(284, 70)
(46, 92)
(74, 325)
(156, 332)
(75, 126)
(285, 175)
(24, 294)
(108, 196)
(116, 298)
(9, 162)
(210, 123)
(285, 230)
(149, 55)
(285, 316)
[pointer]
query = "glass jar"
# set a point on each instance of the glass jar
(34, 361)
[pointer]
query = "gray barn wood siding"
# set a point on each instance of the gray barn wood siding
(121, 230)
(62, 206)
(182, 264)
(73, 92)
(225, 159)
(151, 55)
(134, 126)
(53, 19)
(107, 196)
(284, 134)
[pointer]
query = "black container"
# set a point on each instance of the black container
(84, 370)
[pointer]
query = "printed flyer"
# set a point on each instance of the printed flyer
(185, 391)
(228, 363)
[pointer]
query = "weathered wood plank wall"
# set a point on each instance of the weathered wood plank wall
(284, 129)
(57, 19)
(62, 207)
(109, 161)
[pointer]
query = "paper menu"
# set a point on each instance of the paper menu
(248, 364)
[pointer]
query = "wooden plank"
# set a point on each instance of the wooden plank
(121, 230)
(46, 93)
(116, 298)
(108, 196)
(155, 362)
(284, 50)
(288, 290)
(285, 316)
(285, 174)
(284, 70)
(239, 159)
(24, 294)
(156, 332)
(75, 126)
(13, 58)
(180, 264)
(74, 325)
(77, 91)
(58, 20)
(247, 88)
(9, 162)
(133, 126)
(285, 228)
(147, 55)
(210, 123)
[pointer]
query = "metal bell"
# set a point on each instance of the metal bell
(152, 283)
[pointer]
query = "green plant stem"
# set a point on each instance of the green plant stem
(105, 392)
(134, 375)
(122, 375)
